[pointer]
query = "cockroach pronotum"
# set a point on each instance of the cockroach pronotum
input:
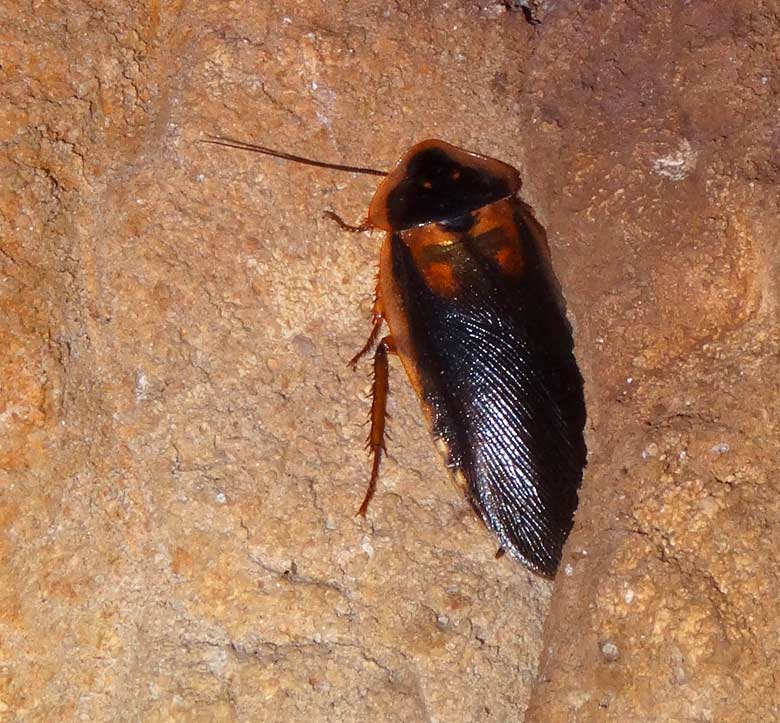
(477, 317)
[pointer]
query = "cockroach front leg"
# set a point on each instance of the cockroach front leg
(365, 226)
(376, 436)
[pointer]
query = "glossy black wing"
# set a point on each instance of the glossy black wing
(497, 371)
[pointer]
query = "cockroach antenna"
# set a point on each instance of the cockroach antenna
(254, 148)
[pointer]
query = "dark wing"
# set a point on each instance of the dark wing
(498, 374)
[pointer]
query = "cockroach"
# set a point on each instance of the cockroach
(476, 314)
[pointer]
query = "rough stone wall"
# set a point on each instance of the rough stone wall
(180, 441)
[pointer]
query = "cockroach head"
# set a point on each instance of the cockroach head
(436, 182)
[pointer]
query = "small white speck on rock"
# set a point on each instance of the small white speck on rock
(141, 386)
(610, 651)
(678, 164)
(650, 451)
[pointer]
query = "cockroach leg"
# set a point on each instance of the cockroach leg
(378, 318)
(376, 437)
(346, 226)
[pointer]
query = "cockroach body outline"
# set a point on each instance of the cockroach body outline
(477, 317)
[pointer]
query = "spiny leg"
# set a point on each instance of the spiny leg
(378, 318)
(347, 226)
(376, 437)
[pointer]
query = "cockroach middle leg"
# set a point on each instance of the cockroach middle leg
(347, 226)
(376, 436)
(378, 315)
(378, 319)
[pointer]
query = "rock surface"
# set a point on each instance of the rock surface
(180, 449)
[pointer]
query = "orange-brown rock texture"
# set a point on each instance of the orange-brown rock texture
(181, 442)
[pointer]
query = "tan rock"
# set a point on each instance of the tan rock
(180, 450)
